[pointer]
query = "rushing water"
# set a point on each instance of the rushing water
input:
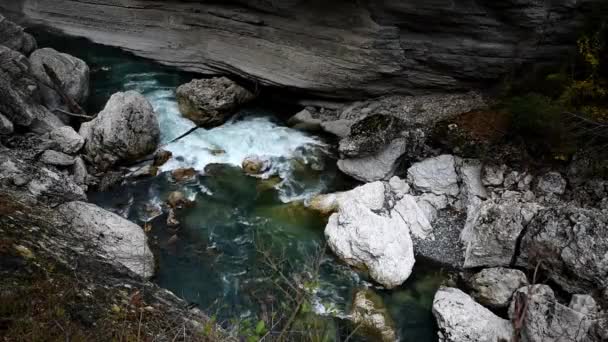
(214, 259)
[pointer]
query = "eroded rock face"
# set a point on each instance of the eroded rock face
(460, 319)
(71, 71)
(494, 287)
(210, 102)
(572, 244)
(126, 129)
(546, 320)
(121, 240)
(334, 49)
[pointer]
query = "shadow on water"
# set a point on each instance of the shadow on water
(212, 259)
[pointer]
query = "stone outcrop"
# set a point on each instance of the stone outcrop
(494, 287)
(73, 73)
(210, 102)
(121, 240)
(460, 319)
(335, 48)
(125, 130)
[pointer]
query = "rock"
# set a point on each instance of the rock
(177, 200)
(51, 157)
(125, 130)
(45, 121)
(71, 71)
(209, 102)
(493, 175)
(6, 127)
(416, 218)
(547, 320)
(472, 185)
(68, 140)
(339, 128)
(172, 219)
(13, 37)
(183, 174)
(494, 287)
(303, 120)
(80, 172)
(460, 319)
(572, 243)
(121, 241)
(320, 50)
(380, 244)
(370, 315)
(371, 135)
(436, 175)
(161, 157)
(493, 229)
(18, 91)
(584, 304)
(254, 165)
(376, 167)
(371, 195)
(399, 187)
(147, 170)
(552, 183)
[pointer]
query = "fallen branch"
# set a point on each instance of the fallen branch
(65, 112)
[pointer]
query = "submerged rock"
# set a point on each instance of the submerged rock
(370, 315)
(161, 157)
(254, 165)
(210, 102)
(177, 199)
(461, 319)
(494, 287)
(126, 130)
(121, 240)
(183, 174)
(71, 71)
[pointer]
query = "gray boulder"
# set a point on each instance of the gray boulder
(6, 126)
(460, 319)
(72, 72)
(121, 241)
(436, 175)
(13, 37)
(380, 166)
(67, 139)
(369, 314)
(493, 228)
(552, 183)
(210, 102)
(55, 158)
(571, 244)
(494, 287)
(125, 130)
(547, 320)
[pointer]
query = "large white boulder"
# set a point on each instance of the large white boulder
(461, 319)
(126, 130)
(122, 241)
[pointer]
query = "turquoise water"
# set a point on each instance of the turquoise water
(215, 260)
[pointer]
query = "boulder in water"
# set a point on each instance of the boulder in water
(460, 319)
(177, 200)
(127, 129)
(210, 102)
(254, 165)
(71, 71)
(161, 157)
(369, 313)
(183, 174)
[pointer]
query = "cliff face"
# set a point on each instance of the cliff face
(336, 48)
